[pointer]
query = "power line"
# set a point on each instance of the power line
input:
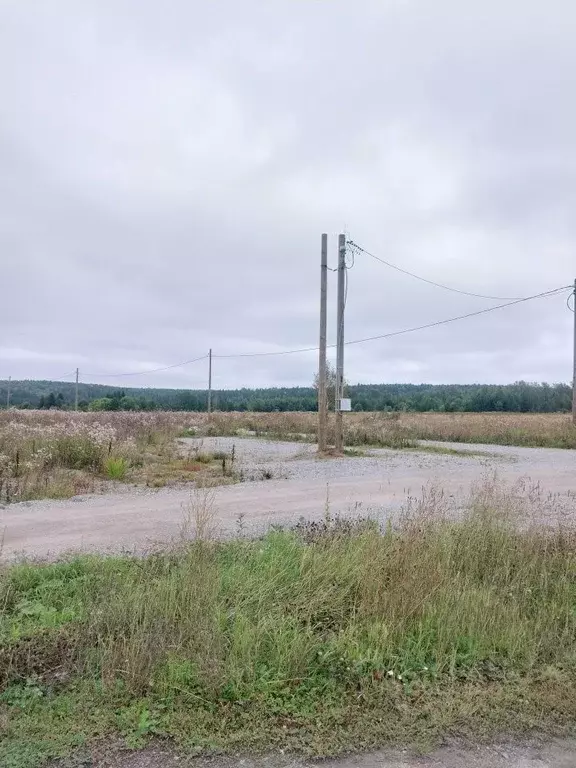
(64, 376)
(460, 317)
(267, 354)
(143, 373)
(240, 355)
(406, 330)
(352, 244)
(293, 351)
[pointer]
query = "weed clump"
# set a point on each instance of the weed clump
(116, 467)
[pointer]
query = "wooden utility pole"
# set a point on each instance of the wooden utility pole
(339, 439)
(76, 391)
(574, 363)
(209, 407)
(8, 392)
(322, 388)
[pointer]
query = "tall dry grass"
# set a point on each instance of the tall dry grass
(399, 430)
(57, 454)
(52, 454)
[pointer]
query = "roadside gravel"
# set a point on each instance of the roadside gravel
(290, 482)
(530, 753)
(298, 461)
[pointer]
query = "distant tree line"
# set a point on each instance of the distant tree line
(519, 397)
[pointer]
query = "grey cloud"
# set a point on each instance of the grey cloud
(166, 174)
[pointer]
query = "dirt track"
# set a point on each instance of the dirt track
(376, 484)
(532, 754)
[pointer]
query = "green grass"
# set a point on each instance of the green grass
(116, 467)
(444, 450)
(355, 453)
(441, 450)
(322, 639)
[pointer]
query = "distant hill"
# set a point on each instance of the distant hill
(518, 397)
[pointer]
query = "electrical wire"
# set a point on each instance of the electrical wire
(347, 267)
(64, 376)
(56, 378)
(430, 282)
(352, 253)
(266, 354)
(143, 373)
(405, 330)
(477, 313)
(292, 351)
(459, 317)
(288, 351)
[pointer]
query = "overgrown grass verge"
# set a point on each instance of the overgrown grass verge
(443, 450)
(403, 430)
(53, 454)
(59, 455)
(327, 637)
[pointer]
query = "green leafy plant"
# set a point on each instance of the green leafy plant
(116, 467)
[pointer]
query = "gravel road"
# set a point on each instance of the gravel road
(301, 485)
(530, 754)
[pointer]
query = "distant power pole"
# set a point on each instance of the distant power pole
(339, 440)
(322, 388)
(574, 363)
(209, 408)
(8, 392)
(76, 391)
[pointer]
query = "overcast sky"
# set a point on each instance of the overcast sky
(167, 169)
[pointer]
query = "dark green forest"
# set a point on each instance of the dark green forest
(519, 397)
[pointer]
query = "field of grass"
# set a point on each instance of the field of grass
(61, 454)
(402, 430)
(53, 454)
(331, 636)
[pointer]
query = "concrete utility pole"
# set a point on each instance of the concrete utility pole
(339, 440)
(76, 391)
(209, 408)
(574, 363)
(8, 392)
(322, 388)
